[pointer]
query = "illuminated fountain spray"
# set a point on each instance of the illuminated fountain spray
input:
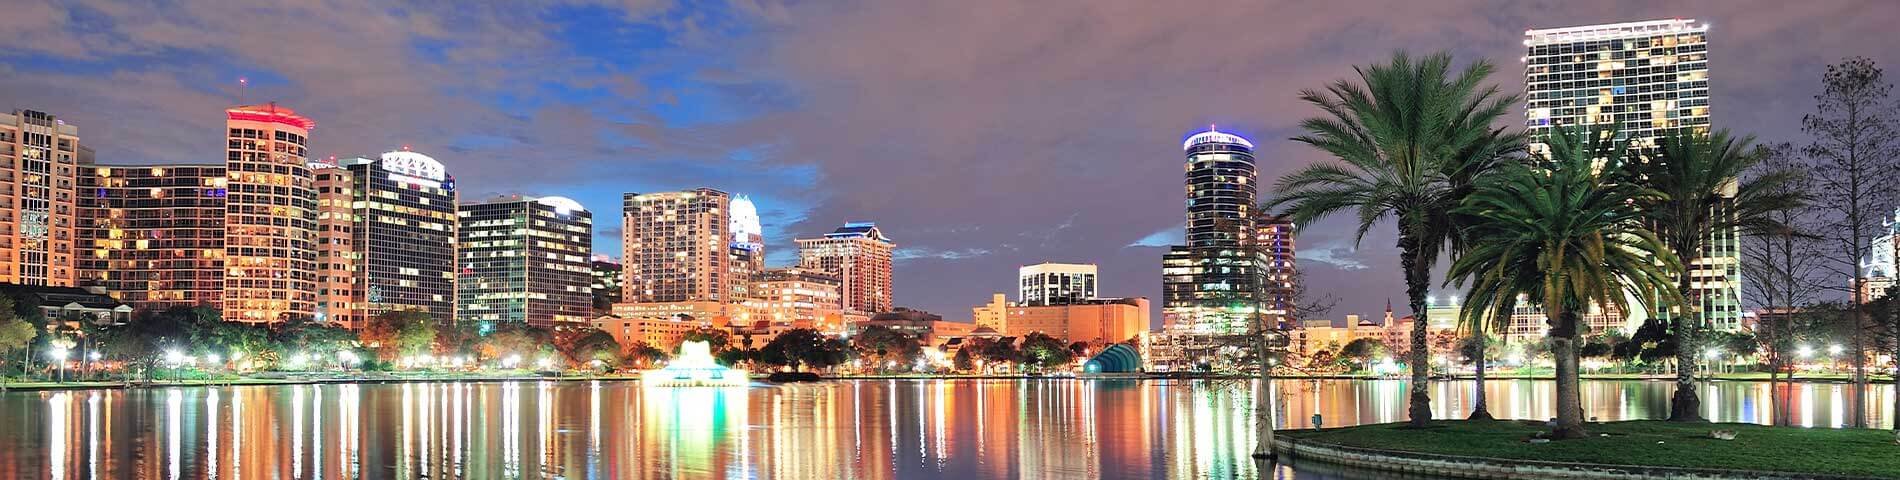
(694, 368)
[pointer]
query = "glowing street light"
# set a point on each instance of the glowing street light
(511, 362)
(546, 363)
(1834, 350)
(1712, 353)
(175, 357)
(1804, 351)
(94, 356)
(59, 355)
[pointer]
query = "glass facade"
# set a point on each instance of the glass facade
(1645, 79)
(1215, 283)
(525, 259)
(403, 237)
(153, 235)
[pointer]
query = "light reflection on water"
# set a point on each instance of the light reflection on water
(871, 429)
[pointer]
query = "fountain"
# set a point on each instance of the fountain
(694, 368)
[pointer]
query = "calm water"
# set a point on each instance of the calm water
(956, 429)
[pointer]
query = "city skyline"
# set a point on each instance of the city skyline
(810, 167)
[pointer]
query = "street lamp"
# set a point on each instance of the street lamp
(59, 355)
(1833, 350)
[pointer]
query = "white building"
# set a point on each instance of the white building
(1055, 283)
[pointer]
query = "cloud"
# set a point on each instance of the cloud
(980, 135)
(1336, 254)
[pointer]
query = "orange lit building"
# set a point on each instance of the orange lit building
(797, 297)
(153, 235)
(860, 255)
(39, 170)
(663, 333)
(1097, 321)
(674, 247)
(270, 216)
(336, 260)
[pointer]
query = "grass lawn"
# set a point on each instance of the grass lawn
(1857, 452)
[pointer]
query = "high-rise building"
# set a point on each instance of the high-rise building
(797, 298)
(336, 253)
(606, 284)
(1214, 285)
(1644, 79)
(746, 251)
(153, 235)
(39, 170)
(525, 259)
(1273, 238)
(1055, 283)
(403, 239)
(860, 255)
(270, 216)
(675, 246)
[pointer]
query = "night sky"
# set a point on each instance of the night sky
(981, 136)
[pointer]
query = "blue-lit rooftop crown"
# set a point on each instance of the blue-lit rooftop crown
(1215, 136)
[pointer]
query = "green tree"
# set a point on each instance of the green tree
(804, 347)
(963, 361)
(1410, 139)
(398, 334)
(888, 346)
(1702, 194)
(643, 355)
(1045, 352)
(1362, 350)
(1562, 233)
(517, 338)
(594, 345)
(716, 339)
(15, 333)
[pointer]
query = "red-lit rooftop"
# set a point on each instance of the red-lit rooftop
(270, 112)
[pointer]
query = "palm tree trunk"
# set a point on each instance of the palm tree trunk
(1685, 405)
(1417, 279)
(1263, 402)
(1563, 352)
(1480, 409)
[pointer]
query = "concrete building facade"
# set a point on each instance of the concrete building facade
(860, 255)
(39, 172)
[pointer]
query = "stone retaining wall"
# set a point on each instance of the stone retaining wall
(1293, 450)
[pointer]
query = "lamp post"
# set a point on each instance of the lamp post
(59, 356)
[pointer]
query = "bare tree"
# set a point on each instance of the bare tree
(1855, 155)
(1269, 342)
(1779, 268)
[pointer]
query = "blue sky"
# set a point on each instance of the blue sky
(981, 135)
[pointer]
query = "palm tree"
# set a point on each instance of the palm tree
(1699, 175)
(1561, 232)
(1410, 138)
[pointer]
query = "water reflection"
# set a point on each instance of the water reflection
(883, 429)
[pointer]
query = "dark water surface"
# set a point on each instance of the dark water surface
(870, 429)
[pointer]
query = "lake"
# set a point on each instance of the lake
(870, 429)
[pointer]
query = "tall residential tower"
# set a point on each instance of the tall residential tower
(1644, 79)
(675, 246)
(860, 256)
(270, 216)
(1215, 284)
(39, 168)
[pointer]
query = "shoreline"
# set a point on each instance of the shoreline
(265, 381)
(1505, 456)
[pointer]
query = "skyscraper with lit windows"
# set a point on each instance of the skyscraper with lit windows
(525, 259)
(270, 216)
(1644, 79)
(1214, 285)
(676, 246)
(859, 254)
(402, 237)
(153, 235)
(39, 170)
